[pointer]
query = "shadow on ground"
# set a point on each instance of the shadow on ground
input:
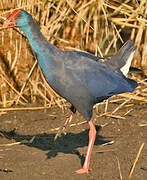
(67, 144)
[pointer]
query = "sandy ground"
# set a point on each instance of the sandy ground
(38, 156)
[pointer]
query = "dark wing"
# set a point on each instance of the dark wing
(84, 54)
(99, 80)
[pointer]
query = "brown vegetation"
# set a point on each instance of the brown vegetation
(99, 27)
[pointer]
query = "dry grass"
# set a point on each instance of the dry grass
(137, 157)
(95, 26)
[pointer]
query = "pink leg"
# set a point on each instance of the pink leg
(92, 135)
(68, 120)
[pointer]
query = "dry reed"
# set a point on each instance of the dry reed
(137, 157)
(98, 27)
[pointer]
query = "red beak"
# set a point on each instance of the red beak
(11, 22)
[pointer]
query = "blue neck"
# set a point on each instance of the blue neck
(43, 50)
(35, 37)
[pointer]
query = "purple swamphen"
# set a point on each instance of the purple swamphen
(81, 78)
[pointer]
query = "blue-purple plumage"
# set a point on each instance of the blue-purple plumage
(78, 77)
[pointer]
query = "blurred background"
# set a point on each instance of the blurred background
(100, 27)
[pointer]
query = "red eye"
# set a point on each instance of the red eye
(18, 15)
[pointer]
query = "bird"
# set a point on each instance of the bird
(79, 77)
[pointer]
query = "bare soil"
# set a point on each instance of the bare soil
(39, 157)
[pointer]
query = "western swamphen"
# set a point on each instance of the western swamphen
(80, 78)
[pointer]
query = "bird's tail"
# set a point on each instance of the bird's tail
(123, 58)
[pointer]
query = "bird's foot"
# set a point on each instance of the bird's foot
(83, 170)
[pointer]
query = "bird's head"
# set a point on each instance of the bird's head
(18, 18)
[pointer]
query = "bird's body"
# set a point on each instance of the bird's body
(78, 77)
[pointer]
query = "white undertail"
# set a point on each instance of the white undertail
(126, 67)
